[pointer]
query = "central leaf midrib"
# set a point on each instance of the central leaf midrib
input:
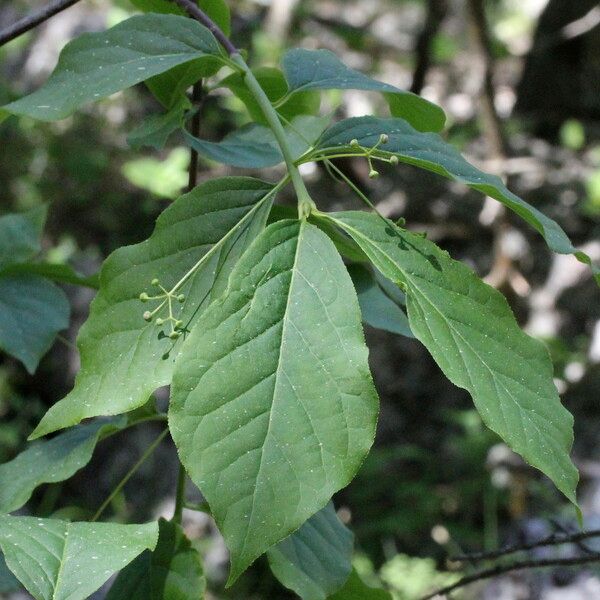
(278, 372)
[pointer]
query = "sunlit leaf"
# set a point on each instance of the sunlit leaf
(269, 445)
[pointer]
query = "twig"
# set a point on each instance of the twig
(516, 566)
(33, 20)
(197, 96)
(192, 9)
(554, 539)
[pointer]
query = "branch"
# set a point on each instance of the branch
(554, 539)
(516, 566)
(29, 22)
(191, 8)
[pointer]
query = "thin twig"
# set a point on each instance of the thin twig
(129, 473)
(516, 566)
(197, 96)
(33, 20)
(191, 8)
(554, 539)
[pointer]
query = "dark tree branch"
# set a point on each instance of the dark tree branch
(515, 566)
(554, 539)
(191, 8)
(29, 22)
(197, 97)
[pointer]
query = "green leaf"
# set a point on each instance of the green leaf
(124, 358)
(269, 446)
(156, 129)
(56, 272)
(274, 84)
(255, 147)
(323, 70)
(429, 151)
(58, 560)
(470, 331)
(32, 311)
(377, 307)
(217, 10)
(173, 571)
(315, 560)
(51, 461)
(8, 582)
(96, 65)
(357, 589)
(20, 235)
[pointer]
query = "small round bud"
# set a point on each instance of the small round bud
(394, 160)
(174, 335)
(178, 324)
(181, 298)
(147, 316)
(401, 221)
(354, 143)
(154, 281)
(144, 297)
(159, 322)
(373, 173)
(383, 138)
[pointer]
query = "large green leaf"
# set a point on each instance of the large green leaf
(50, 461)
(429, 151)
(356, 589)
(156, 129)
(96, 65)
(323, 70)
(377, 307)
(173, 571)
(275, 86)
(315, 560)
(123, 358)
(470, 331)
(20, 235)
(32, 311)
(255, 147)
(58, 560)
(273, 408)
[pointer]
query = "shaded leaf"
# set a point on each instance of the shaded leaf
(356, 589)
(173, 571)
(323, 70)
(58, 560)
(470, 331)
(274, 84)
(8, 582)
(378, 309)
(254, 146)
(429, 151)
(96, 65)
(51, 461)
(56, 272)
(20, 235)
(315, 560)
(123, 357)
(32, 311)
(156, 129)
(269, 446)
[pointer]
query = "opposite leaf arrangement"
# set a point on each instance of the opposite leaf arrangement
(253, 320)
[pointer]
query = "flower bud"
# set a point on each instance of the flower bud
(354, 143)
(147, 316)
(159, 322)
(383, 138)
(373, 173)
(174, 335)
(394, 160)
(181, 298)
(154, 281)
(144, 297)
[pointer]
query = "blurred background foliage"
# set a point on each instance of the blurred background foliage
(520, 83)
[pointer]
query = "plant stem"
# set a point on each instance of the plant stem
(305, 202)
(180, 495)
(129, 474)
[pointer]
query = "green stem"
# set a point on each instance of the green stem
(305, 202)
(129, 474)
(180, 495)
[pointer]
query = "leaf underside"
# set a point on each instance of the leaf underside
(269, 446)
